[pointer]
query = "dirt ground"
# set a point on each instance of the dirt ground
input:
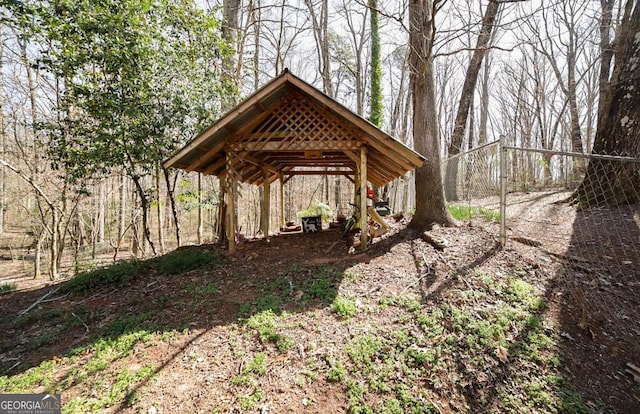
(593, 306)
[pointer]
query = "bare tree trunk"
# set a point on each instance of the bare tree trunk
(33, 104)
(398, 105)
(172, 201)
(136, 242)
(122, 215)
(394, 124)
(3, 142)
(254, 15)
(337, 193)
(279, 58)
(607, 182)
(55, 230)
(200, 216)
(568, 87)
(101, 212)
(3, 180)
(320, 27)
(160, 223)
(358, 36)
(547, 168)
(144, 204)
(484, 102)
(222, 211)
(592, 95)
(576, 133)
(231, 10)
(37, 270)
(489, 22)
(431, 205)
(572, 87)
(606, 53)
(405, 195)
(472, 123)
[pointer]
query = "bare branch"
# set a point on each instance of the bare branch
(471, 49)
(28, 179)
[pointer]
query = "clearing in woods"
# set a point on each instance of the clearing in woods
(302, 323)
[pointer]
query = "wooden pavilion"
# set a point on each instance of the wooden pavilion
(289, 128)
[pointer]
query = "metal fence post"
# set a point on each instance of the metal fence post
(503, 191)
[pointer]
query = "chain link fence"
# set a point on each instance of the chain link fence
(590, 228)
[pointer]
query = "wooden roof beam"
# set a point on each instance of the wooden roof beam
(213, 151)
(215, 166)
(261, 164)
(279, 146)
(386, 169)
(321, 173)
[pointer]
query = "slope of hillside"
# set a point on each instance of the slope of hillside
(303, 323)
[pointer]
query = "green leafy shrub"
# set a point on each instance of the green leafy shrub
(184, 260)
(265, 324)
(337, 373)
(322, 289)
(317, 209)
(117, 274)
(344, 307)
(8, 287)
(257, 366)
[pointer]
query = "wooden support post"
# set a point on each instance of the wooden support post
(266, 204)
(356, 187)
(363, 197)
(281, 201)
(231, 204)
(222, 209)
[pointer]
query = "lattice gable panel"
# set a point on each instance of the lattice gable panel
(298, 125)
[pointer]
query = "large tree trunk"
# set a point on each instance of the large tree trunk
(484, 103)
(608, 182)
(466, 96)
(606, 53)
(431, 207)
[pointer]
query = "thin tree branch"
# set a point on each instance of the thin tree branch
(471, 49)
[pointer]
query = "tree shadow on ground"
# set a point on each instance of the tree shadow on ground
(592, 294)
(599, 285)
(292, 275)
